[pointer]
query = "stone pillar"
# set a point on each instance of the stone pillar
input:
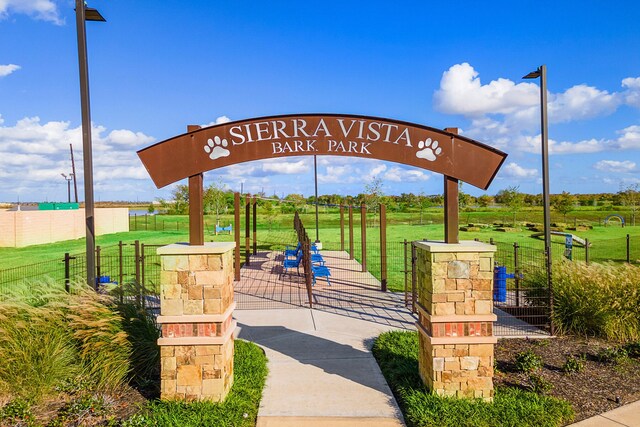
(196, 309)
(455, 318)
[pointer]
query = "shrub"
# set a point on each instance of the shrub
(612, 355)
(538, 384)
(528, 361)
(53, 339)
(595, 299)
(574, 364)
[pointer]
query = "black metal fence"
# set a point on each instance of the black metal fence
(127, 270)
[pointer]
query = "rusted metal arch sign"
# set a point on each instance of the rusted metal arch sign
(443, 151)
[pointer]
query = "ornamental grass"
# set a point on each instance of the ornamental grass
(49, 338)
(601, 300)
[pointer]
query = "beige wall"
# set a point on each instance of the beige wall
(24, 228)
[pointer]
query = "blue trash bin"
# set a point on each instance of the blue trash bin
(500, 283)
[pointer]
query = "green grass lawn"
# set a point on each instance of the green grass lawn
(239, 409)
(397, 355)
(608, 243)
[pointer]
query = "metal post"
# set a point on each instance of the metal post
(196, 216)
(73, 172)
(363, 236)
(628, 249)
(142, 281)
(66, 260)
(315, 176)
(586, 250)
(255, 225)
(247, 229)
(236, 214)
(120, 270)
(406, 273)
(341, 228)
(350, 232)
(516, 272)
(136, 257)
(383, 248)
(86, 142)
(98, 267)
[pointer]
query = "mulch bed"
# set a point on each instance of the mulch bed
(598, 388)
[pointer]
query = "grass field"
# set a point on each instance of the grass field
(608, 243)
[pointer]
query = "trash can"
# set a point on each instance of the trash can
(500, 283)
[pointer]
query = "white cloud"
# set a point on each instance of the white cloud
(34, 154)
(624, 166)
(218, 121)
(582, 102)
(629, 138)
(285, 168)
(461, 92)
(45, 10)
(632, 94)
(398, 174)
(5, 70)
(513, 170)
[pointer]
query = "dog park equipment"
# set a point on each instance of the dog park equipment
(228, 228)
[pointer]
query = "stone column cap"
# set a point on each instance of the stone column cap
(463, 246)
(209, 248)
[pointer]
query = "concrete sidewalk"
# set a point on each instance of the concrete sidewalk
(627, 415)
(321, 370)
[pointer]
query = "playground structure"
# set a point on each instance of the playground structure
(618, 217)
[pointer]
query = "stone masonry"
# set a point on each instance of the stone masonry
(455, 318)
(196, 315)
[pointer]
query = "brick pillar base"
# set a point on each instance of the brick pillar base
(455, 318)
(196, 314)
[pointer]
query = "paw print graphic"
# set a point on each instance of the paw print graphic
(215, 148)
(428, 150)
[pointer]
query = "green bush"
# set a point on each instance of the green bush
(612, 355)
(574, 364)
(596, 299)
(397, 355)
(53, 338)
(527, 361)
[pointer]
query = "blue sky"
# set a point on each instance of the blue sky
(157, 66)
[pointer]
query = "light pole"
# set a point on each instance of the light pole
(315, 178)
(84, 14)
(541, 72)
(68, 178)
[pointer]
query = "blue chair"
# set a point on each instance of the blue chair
(292, 252)
(317, 258)
(320, 271)
(290, 263)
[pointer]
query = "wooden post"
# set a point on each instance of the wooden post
(383, 248)
(363, 233)
(350, 232)
(450, 210)
(341, 228)
(196, 208)
(247, 228)
(236, 225)
(255, 225)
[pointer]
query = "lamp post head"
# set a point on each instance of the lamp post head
(92, 14)
(533, 74)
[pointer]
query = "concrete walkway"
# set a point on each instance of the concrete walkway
(321, 370)
(627, 415)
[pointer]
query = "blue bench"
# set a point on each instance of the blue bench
(228, 228)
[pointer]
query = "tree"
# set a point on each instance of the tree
(563, 203)
(297, 201)
(630, 197)
(484, 200)
(373, 195)
(513, 199)
(423, 202)
(270, 212)
(180, 203)
(215, 199)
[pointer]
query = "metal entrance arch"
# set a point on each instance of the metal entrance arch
(202, 149)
